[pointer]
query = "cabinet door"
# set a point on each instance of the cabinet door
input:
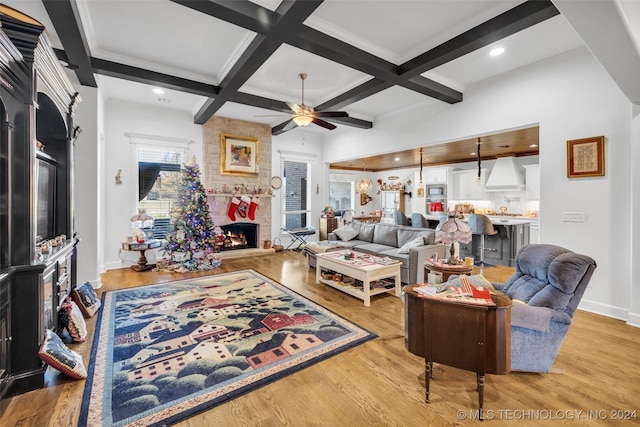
(465, 185)
(49, 309)
(5, 334)
(437, 176)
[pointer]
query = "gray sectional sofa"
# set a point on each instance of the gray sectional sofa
(410, 245)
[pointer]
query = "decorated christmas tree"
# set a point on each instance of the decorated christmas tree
(193, 230)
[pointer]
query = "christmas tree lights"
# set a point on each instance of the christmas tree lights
(193, 229)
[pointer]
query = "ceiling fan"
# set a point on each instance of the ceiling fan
(304, 115)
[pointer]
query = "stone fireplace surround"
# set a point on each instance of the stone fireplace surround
(219, 203)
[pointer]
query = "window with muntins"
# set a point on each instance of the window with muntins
(296, 203)
(158, 184)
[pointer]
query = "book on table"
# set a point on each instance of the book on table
(466, 293)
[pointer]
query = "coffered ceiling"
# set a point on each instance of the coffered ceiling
(241, 59)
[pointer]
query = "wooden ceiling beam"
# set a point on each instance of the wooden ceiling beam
(66, 20)
(140, 75)
(508, 23)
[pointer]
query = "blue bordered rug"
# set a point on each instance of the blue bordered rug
(165, 352)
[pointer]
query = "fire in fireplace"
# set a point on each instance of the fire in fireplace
(240, 235)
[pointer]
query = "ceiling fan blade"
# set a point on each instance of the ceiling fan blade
(331, 114)
(294, 107)
(324, 124)
(290, 125)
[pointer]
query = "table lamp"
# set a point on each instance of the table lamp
(139, 222)
(451, 231)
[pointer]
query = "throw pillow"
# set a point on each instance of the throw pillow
(54, 353)
(71, 318)
(345, 234)
(86, 298)
(406, 248)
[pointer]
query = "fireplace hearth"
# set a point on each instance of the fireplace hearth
(240, 235)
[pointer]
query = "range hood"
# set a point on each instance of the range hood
(505, 176)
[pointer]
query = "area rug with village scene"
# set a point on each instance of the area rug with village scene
(165, 352)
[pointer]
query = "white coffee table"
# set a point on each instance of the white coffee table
(363, 267)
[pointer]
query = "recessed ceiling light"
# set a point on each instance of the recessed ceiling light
(533, 145)
(397, 159)
(472, 154)
(158, 91)
(497, 51)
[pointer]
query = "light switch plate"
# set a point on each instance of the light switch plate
(573, 216)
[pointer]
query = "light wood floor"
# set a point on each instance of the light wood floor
(380, 383)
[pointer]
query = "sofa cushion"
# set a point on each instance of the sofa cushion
(373, 248)
(352, 244)
(385, 234)
(406, 234)
(393, 253)
(346, 233)
(406, 248)
(366, 232)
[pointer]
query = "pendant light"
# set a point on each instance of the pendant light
(364, 185)
(479, 180)
(420, 190)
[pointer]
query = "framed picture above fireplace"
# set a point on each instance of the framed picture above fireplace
(239, 155)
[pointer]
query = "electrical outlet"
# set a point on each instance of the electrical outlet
(573, 216)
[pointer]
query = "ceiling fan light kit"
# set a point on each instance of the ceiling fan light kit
(302, 119)
(304, 115)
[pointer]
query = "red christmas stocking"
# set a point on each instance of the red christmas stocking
(231, 213)
(255, 201)
(243, 207)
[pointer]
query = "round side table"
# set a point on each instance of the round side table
(446, 269)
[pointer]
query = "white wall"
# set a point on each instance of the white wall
(305, 146)
(570, 97)
(120, 200)
(88, 203)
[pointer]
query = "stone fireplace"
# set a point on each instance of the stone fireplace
(240, 235)
(213, 178)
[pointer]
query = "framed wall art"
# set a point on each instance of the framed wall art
(239, 155)
(585, 157)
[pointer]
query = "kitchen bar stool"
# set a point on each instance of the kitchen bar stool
(482, 226)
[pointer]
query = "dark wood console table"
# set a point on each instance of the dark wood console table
(142, 248)
(462, 335)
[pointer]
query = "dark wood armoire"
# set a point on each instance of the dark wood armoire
(37, 136)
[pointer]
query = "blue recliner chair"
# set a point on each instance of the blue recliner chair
(546, 289)
(399, 218)
(418, 220)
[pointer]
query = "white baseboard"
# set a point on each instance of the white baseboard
(634, 320)
(604, 309)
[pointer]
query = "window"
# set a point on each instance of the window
(296, 203)
(158, 184)
(341, 195)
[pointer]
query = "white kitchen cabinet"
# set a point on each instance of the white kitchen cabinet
(465, 185)
(434, 176)
(532, 181)
(534, 232)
